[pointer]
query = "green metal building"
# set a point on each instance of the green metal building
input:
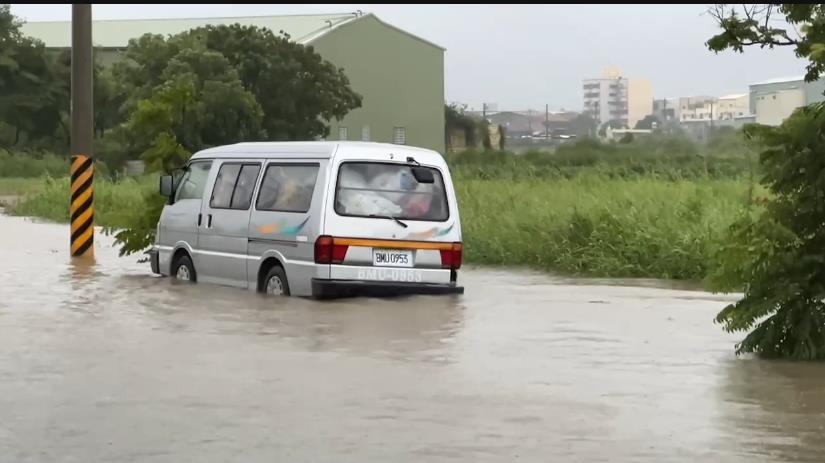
(399, 75)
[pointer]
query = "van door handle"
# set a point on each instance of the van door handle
(200, 216)
(209, 223)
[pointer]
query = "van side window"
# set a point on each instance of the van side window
(194, 181)
(287, 188)
(242, 197)
(234, 186)
(224, 186)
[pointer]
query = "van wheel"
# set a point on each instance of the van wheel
(184, 270)
(275, 283)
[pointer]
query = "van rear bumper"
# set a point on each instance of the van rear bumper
(324, 289)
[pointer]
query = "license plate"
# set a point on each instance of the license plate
(392, 258)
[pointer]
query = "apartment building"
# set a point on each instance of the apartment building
(614, 97)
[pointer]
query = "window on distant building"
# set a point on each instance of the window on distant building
(343, 133)
(399, 135)
(365, 133)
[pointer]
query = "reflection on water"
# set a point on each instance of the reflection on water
(522, 367)
(777, 407)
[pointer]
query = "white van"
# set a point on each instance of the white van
(312, 219)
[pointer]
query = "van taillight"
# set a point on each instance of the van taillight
(327, 252)
(451, 258)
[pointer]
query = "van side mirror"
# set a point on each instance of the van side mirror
(166, 186)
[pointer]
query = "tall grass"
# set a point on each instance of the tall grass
(634, 210)
(598, 226)
(19, 186)
(32, 164)
(51, 199)
(662, 158)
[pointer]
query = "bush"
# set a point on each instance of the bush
(113, 200)
(668, 158)
(32, 164)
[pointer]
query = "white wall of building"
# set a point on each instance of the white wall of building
(773, 107)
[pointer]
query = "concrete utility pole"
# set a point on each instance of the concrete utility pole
(546, 121)
(711, 117)
(81, 206)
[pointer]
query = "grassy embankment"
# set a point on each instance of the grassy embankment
(636, 210)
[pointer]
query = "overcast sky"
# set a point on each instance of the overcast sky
(526, 56)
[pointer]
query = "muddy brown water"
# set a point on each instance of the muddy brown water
(108, 363)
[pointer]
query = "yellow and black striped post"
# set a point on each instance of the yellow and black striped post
(82, 208)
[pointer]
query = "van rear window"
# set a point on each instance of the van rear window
(383, 189)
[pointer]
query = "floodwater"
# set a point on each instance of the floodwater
(108, 363)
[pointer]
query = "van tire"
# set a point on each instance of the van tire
(275, 282)
(184, 270)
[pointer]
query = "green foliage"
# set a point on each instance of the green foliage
(457, 119)
(583, 125)
(667, 158)
(17, 186)
(658, 207)
(598, 226)
(31, 95)
(201, 103)
(113, 200)
(613, 124)
(771, 25)
(779, 255)
(135, 228)
(32, 164)
(297, 90)
(648, 122)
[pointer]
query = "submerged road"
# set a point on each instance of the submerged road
(108, 363)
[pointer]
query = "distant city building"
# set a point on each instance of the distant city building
(614, 97)
(697, 108)
(733, 106)
(772, 101)
(520, 124)
(666, 109)
(699, 116)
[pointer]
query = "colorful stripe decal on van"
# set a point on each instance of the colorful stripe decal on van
(281, 228)
(434, 232)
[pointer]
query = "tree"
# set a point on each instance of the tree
(30, 93)
(201, 103)
(584, 125)
(756, 25)
(613, 124)
(778, 255)
(297, 89)
(457, 119)
(647, 122)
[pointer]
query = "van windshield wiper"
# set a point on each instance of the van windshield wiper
(389, 217)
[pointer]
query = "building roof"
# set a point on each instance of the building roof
(780, 80)
(733, 97)
(115, 33)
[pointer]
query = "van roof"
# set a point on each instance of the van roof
(315, 149)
